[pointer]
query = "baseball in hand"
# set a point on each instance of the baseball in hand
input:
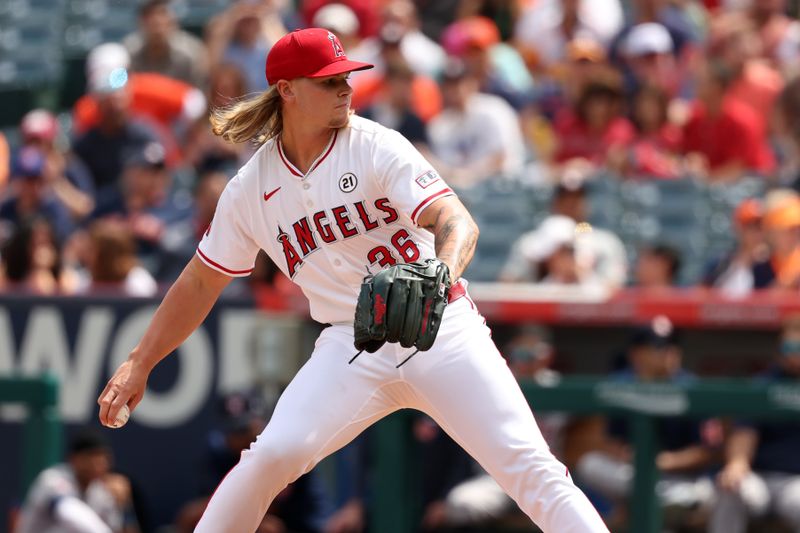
(122, 417)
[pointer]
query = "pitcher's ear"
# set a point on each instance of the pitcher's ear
(285, 88)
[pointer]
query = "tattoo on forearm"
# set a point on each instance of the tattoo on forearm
(455, 240)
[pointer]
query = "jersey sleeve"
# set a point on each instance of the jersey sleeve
(409, 180)
(227, 245)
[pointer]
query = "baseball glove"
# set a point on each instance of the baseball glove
(402, 303)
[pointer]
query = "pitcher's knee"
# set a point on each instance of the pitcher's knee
(281, 457)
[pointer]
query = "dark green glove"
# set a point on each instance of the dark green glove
(402, 303)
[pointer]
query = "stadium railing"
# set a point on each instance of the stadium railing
(42, 432)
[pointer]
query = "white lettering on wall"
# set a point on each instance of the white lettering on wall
(44, 347)
(236, 350)
(6, 346)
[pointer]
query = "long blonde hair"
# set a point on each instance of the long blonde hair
(257, 119)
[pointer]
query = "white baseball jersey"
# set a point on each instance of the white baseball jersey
(354, 212)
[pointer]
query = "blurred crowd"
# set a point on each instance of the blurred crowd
(115, 192)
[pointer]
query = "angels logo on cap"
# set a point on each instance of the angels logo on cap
(309, 53)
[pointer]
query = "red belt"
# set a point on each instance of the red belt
(456, 291)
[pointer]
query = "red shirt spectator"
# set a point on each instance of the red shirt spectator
(655, 151)
(735, 135)
(595, 124)
(577, 139)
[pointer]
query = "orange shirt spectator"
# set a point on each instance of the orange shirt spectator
(154, 96)
(426, 98)
(782, 223)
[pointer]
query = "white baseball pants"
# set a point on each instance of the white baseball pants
(462, 382)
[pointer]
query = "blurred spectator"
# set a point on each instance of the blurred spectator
(476, 136)
(425, 98)
(31, 193)
(648, 54)
(586, 60)
(242, 35)
(503, 13)
(762, 469)
(597, 251)
(654, 356)
(657, 268)
(32, 260)
(782, 225)
(69, 178)
(204, 150)
(111, 262)
(116, 98)
(400, 26)
(341, 20)
(748, 266)
(367, 13)
(682, 19)
(559, 88)
(734, 41)
(655, 151)
(180, 239)
(729, 138)
(147, 201)
(82, 494)
(545, 27)
(550, 252)
(105, 146)
(780, 34)
(497, 65)
(595, 128)
(787, 134)
(392, 107)
(161, 46)
(300, 508)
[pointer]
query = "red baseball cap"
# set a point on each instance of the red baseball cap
(308, 53)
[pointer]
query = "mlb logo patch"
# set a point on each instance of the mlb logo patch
(426, 179)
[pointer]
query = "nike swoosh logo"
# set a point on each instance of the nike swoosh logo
(268, 196)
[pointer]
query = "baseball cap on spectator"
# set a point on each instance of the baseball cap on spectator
(28, 162)
(583, 49)
(553, 233)
(648, 38)
(749, 211)
(470, 32)
(573, 180)
(39, 124)
(337, 18)
(659, 333)
(152, 156)
(784, 215)
(107, 68)
(309, 53)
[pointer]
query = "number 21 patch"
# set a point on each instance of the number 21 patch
(427, 178)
